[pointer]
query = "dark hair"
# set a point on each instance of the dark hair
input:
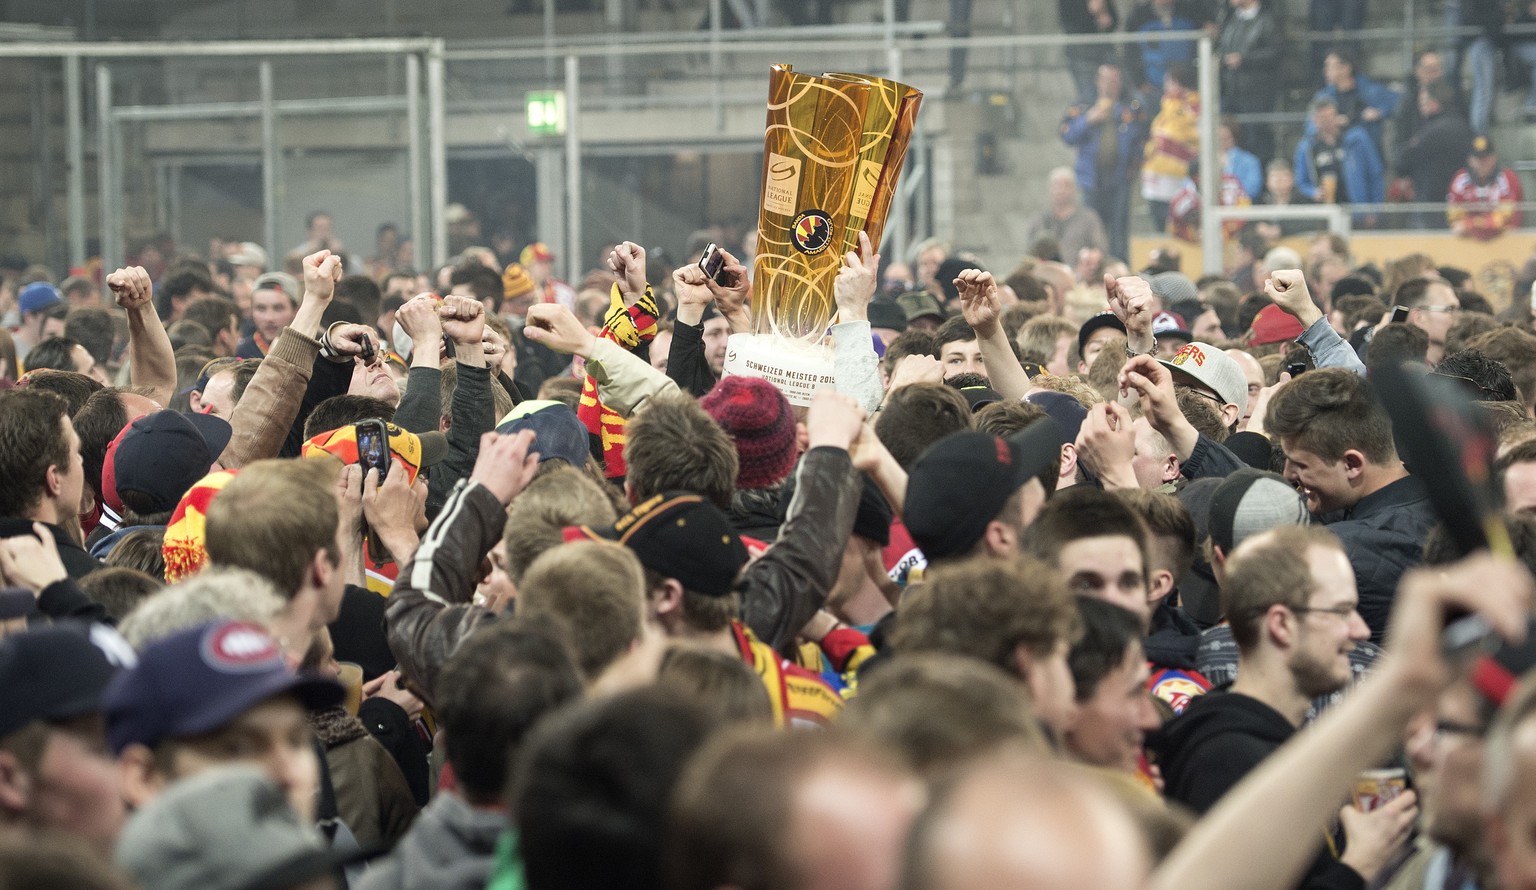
(1484, 379)
(913, 342)
(340, 310)
(54, 353)
(492, 691)
(1183, 74)
(675, 445)
(345, 409)
(97, 423)
(1083, 512)
(119, 588)
(967, 380)
(916, 416)
(179, 284)
(483, 283)
(215, 314)
(1330, 411)
(1413, 292)
(91, 327)
(1398, 343)
(952, 331)
(594, 785)
(72, 387)
(948, 271)
(31, 441)
(186, 333)
(361, 292)
(1009, 416)
(1108, 630)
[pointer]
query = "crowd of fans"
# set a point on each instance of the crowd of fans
(1365, 143)
(475, 578)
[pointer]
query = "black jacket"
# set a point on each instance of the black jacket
(77, 562)
(686, 363)
(1384, 535)
(1433, 154)
(1217, 741)
(1175, 638)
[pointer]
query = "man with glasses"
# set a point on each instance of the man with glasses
(1292, 606)
(1432, 306)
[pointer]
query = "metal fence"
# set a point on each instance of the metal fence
(282, 128)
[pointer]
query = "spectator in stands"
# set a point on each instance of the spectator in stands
(1157, 56)
(1174, 142)
(1431, 156)
(1249, 46)
(1238, 162)
(1075, 227)
(1428, 69)
(1083, 60)
(1108, 134)
(1361, 102)
(1335, 165)
(1523, 49)
(1481, 55)
(1280, 191)
(1330, 15)
(1484, 197)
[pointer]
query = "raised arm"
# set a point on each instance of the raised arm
(430, 611)
(784, 588)
(855, 367)
(1236, 844)
(1288, 289)
(1130, 298)
(983, 312)
(625, 382)
(151, 360)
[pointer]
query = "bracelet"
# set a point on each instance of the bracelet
(329, 351)
(1130, 353)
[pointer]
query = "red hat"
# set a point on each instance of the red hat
(1274, 325)
(760, 422)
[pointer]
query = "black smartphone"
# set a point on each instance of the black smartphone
(713, 263)
(368, 351)
(1295, 368)
(372, 447)
(1399, 314)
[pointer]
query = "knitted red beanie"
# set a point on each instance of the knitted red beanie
(759, 420)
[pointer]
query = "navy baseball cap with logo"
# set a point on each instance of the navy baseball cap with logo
(682, 536)
(50, 673)
(198, 680)
(963, 480)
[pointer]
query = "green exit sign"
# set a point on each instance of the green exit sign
(546, 113)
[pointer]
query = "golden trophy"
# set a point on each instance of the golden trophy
(832, 153)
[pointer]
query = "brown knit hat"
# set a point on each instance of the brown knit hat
(759, 420)
(515, 282)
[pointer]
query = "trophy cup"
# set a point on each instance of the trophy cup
(832, 153)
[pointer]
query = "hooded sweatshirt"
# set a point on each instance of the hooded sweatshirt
(1217, 741)
(451, 846)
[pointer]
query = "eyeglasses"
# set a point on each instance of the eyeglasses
(1448, 309)
(1343, 610)
(1215, 399)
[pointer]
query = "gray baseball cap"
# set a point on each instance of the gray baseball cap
(1213, 369)
(229, 828)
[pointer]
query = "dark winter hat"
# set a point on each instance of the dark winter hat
(760, 421)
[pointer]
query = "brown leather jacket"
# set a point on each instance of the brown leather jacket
(430, 611)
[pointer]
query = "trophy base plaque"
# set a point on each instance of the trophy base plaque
(797, 368)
